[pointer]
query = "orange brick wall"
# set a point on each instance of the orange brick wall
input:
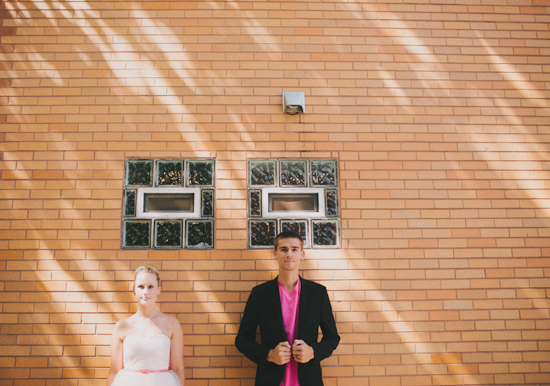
(438, 112)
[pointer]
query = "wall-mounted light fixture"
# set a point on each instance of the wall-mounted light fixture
(294, 102)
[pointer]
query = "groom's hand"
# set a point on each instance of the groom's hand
(302, 352)
(280, 354)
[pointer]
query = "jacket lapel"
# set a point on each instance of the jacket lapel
(276, 305)
(302, 306)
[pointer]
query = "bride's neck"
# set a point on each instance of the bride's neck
(147, 312)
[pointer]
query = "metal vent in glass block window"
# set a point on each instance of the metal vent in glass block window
(207, 208)
(325, 233)
(262, 233)
(262, 172)
(168, 234)
(255, 203)
(200, 172)
(323, 172)
(331, 203)
(139, 173)
(129, 203)
(169, 172)
(293, 173)
(200, 234)
(298, 226)
(136, 234)
(293, 203)
(168, 202)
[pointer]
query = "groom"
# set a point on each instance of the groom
(289, 311)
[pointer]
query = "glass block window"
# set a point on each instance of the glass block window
(325, 233)
(331, 202)
(136, 234)
(169, 173)
(298, 226)
(262, 172)
(168, 204)
(200, 234)
(262, 233)
(200, 173)
(255, 203)
(298, 195)
(207, 203)
(323, 173)
(139, 173)
(129, 203)
(293, 173)
(168, 233)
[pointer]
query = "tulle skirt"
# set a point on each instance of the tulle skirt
(129, 378)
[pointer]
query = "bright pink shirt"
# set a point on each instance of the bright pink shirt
(290, 304)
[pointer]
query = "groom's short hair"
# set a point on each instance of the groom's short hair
(288, 235)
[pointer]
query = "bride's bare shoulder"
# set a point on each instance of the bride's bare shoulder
(169, 323)
(122, 327)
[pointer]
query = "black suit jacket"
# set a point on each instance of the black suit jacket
(263, 309)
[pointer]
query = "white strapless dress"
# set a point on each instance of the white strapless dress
(141, 354)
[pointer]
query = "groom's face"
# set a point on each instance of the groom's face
(289, 253)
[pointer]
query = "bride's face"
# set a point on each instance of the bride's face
(146, 288)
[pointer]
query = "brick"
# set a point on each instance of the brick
(446, 358)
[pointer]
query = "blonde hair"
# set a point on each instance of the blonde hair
(147, 269)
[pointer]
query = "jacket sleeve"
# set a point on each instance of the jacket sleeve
(246, 337)
(330, 339)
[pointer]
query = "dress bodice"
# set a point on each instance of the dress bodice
(151, 353)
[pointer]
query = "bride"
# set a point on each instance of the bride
(147, 348)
